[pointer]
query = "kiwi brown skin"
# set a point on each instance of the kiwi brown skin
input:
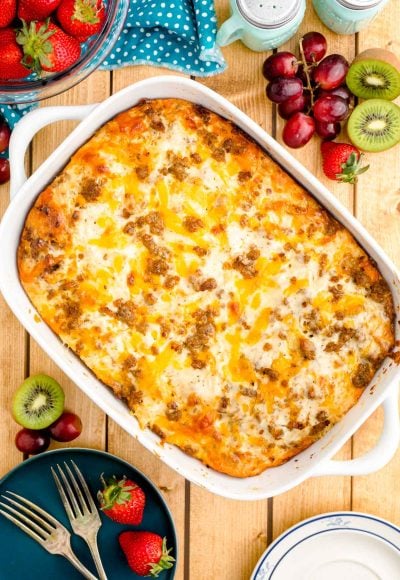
(383, 66)
(378, 54)
(374, 125)
(38, 402)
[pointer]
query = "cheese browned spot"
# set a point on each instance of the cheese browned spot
(191, 274)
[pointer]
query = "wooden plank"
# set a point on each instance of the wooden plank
(227, 537)
(13, 363)
(315, 496)
(376, 493)
(377, 197)
(378, 208)
(126, 76)
(94, 89)
(232, 548)
(319, 494)
(12, 369)
(120, 443)
(242, 82)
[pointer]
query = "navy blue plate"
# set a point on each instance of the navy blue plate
(22, 558)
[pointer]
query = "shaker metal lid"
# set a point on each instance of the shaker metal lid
(269, 13)
(359, 4)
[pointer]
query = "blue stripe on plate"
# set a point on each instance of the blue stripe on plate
(319, 518)
(342, 529)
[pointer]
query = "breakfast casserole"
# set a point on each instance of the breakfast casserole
(205, 287)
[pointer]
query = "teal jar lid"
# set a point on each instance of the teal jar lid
(261, 24)
(359, 4)
(269, 13)
(348, 16)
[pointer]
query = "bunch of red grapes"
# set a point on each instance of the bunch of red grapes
(310, 91)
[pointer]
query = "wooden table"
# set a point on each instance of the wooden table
(222, 539)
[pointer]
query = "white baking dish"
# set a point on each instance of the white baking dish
(313, 461)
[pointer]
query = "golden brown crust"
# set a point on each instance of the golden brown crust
(197, 279)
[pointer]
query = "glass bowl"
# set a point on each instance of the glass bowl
(94, 51)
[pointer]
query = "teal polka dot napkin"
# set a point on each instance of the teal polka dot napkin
(178, 34)
(12, 114)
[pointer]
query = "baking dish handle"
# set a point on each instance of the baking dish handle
(27, 128)
(377, 457)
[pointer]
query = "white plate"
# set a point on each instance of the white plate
(338, 545)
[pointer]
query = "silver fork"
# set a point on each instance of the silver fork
(81, 510)
(46, 530)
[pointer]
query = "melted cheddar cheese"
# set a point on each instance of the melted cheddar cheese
(198, 280)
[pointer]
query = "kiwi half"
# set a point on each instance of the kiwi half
(375, 74)
(38, 402)
(374, 125)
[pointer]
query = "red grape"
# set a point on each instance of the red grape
(4, 170)
(327, 131)
(294, 105)
(341, 91)
(314, 47)
(5, 133)
(331, 71)
(298, 130)
(66, 428)
(281, 89)
(330, 109)
(281, 64)
(31, 441)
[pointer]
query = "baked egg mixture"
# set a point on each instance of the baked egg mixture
(205, 287)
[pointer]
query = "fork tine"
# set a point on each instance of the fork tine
(64, 498)
(31, 523)
(70, 493)
(85, 509)
(23, 527)
(48, 527)
(85, 487)
(42, 512)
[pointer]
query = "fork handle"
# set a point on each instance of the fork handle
(70, 556)
(94, 550)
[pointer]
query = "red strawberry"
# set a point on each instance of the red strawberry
(8, 12)
(47, 47)
(11, 56)
(146, 552)
(123, 501)
(341, 161)
(36, 9)
(81, 18)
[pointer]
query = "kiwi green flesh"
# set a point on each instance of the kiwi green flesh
(38, 402)
(374, 125)
(373, 79)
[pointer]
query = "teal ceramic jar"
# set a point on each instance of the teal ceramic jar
(347, 16)
(261, 24)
